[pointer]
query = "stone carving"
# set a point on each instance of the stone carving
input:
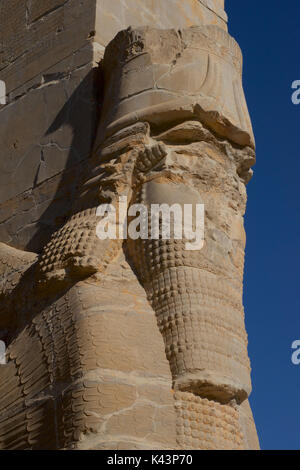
(140, 344)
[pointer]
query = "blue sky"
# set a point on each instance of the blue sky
(268, 33)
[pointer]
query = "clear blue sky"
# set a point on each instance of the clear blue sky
(269, 35)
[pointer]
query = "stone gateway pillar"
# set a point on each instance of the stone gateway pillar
(141, 343)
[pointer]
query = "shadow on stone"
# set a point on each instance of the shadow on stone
(81, 114)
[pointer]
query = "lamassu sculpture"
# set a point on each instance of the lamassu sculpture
(141, 344)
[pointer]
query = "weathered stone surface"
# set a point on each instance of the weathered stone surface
(47, 125)
(134, 344)
(113, 16)
(38, 35)
(45, 136)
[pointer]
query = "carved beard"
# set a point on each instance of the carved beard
(197, 295)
